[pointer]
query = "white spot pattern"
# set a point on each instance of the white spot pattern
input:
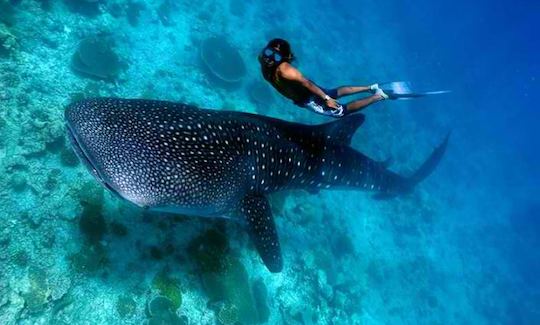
(157, 153)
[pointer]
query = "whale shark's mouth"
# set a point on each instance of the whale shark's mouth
(86, 160)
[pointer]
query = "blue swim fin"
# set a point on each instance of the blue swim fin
(403, 90)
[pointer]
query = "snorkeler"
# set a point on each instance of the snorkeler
(276, 67)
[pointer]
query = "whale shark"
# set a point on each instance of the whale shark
(172, 157)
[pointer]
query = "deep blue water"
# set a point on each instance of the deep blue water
(461, 249)
(486, 51)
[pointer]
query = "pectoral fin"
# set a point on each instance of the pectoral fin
(262, 230)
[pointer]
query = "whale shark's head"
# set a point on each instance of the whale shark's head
(122, 146)
(160, 155)
(90, 129)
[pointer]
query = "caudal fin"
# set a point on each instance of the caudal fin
(430, 164)
(402, 185)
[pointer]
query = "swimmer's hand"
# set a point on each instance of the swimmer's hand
(332, 103)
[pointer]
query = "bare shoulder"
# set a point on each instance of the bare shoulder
(287, 71)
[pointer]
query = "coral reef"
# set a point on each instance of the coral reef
(260, 295)
(228, 314)
(222, 62)
(45, 4)
(161, 312)
(168, 287)
(7, 13)
(90, 259)
(68, 157)
(19, 183)
(89, 8)
(8, 42)
(118, 229)
(237, 7)
(224, 277)
(208, 251)
(164, 12)
(96, 58)
(260, 93)
(126, 306)
(133, 12)
(62, 303)
(21, 258)
(90, 193)
(38, 292)
(342, 245)
(92, 223)
(231, 285)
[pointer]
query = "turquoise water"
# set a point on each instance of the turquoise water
(461, 249)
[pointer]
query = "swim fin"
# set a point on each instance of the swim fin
(403, 90)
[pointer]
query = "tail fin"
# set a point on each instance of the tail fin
(430, 164)
(405, 185)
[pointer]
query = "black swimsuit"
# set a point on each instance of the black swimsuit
(303, 97)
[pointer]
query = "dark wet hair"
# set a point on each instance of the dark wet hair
(282, 47)
(274, 53)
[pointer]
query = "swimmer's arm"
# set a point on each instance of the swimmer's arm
(289, 72)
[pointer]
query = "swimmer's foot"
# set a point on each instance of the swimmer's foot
(373, 88)
(382, 94)
(376, 90)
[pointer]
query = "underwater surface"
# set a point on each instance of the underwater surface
(461, 249)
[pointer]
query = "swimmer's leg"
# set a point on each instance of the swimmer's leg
(351, 90)
(360, 104)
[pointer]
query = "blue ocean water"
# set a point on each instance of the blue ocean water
(461, 249)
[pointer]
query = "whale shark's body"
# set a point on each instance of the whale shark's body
(178, 158)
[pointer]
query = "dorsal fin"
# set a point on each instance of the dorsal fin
(339, 132)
